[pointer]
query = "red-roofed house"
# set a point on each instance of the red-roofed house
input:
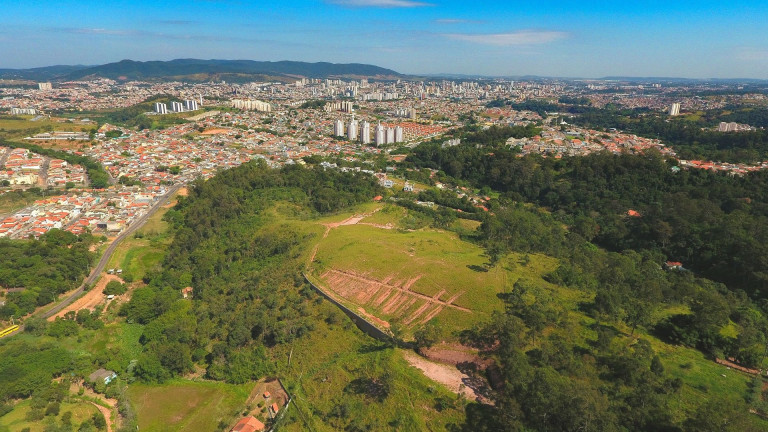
(248, 424)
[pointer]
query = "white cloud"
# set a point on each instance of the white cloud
(518, 38)
(380, 3)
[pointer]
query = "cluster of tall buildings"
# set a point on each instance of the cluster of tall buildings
(187, 105)
(44, 86)
(733, 127)
(252, 105)
(343, 106)
(405, 113)
(362, 131)
(23, 111)
(674, 109)
(380, 96)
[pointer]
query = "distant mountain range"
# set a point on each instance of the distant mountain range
(238, 71)
(202, 70)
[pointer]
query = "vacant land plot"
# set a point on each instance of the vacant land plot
(187, 405)
(411, 277)
(137, 254)
(92, 298)
(16, 419)
(23, 126)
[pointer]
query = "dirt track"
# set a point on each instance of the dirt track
(90, 299)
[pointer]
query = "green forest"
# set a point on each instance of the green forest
(44, 268)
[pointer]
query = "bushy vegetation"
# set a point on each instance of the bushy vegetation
(44, 269)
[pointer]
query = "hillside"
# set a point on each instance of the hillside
(202, 70)
(45, 73)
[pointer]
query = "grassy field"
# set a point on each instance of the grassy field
(16, 419)
(186, 405)
(22, 126)
(431, 263)
(13, 201)
(146, 249)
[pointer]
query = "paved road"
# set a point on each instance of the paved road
(96, 272)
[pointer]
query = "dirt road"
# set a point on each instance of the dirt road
(90, 299)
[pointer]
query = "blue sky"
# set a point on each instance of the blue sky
(698, 39)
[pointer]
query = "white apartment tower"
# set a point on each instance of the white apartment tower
(44, 86)
(674, 109)
(390, 135)
(191, 105)
(161, 108)
(365, 133)
(398, 134)
(338, 128)
(352, 131)
(177, 107)
(380, 135)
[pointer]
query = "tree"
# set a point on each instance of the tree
(720, 415)
(428, 334)
(114, 288)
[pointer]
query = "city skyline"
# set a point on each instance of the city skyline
(551, 38)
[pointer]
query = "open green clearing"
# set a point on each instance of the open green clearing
(23, 126)
(145, 249)
(17, 420)
(186, 405)
(439, 260)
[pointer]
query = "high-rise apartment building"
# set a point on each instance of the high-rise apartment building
(674, 109)
(191, 105)
(338, 128)
(380, 136)
(352, 130)
(365, 133)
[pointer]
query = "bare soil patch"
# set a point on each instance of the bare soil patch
(455, 354)
(215, 131)
(91, 298)
(455, 380)
(393, 297)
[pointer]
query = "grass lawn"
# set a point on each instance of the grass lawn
(16, 419)
(187, 405)
(144, 250)
(11, 202)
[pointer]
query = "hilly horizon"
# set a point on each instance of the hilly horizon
(202, 70)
